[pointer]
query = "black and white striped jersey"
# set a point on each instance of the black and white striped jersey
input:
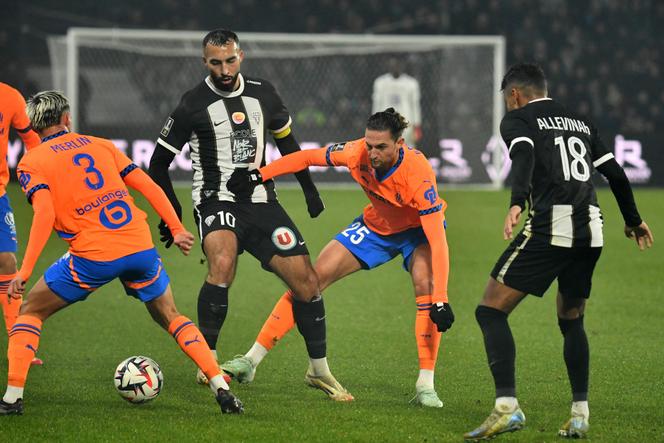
(225, 131)
(562, 202)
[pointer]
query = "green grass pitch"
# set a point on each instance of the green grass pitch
(371, 345)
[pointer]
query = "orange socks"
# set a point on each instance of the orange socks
(280, 321)
(191, 341)
(23, 344)
(10, 310)
(426, 334)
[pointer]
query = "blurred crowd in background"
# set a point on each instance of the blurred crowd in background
(604, 58)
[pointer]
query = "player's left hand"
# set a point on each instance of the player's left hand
(314, 204)
(443, 317)
(512, 219)
(16, 288)
(641, 234)
(184, 240)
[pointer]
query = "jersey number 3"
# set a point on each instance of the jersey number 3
(577, 168)
(94, 180)
(115, 214)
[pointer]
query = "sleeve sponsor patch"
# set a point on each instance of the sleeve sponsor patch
(167, 127)
(337, 147)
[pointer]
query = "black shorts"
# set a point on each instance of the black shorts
(262, 229)
(531, 263)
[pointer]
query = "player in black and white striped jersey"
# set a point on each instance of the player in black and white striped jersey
(554, 153)
(226, 119)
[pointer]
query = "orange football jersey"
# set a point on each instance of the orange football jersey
(12, 113)
(397, 199)
(94, 212)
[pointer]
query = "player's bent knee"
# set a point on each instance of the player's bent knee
(487, 314)
(221, 269)
(307, 288)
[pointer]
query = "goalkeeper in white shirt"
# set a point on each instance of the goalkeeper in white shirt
(400, 91)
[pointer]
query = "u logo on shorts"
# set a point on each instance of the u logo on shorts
(284, 238)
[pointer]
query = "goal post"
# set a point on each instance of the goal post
(123, 83)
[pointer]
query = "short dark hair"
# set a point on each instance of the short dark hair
(525, 75)
(220, 37)
(388, 120)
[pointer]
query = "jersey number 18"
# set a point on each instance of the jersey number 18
(577, 169)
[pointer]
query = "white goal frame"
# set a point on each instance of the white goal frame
(76, 37)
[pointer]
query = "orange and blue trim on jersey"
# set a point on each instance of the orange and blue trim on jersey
(127, 170)
(34, 189)
(392, 169)
(52, 136)
(64, 235)
(431, 210)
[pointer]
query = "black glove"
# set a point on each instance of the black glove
(165, 234)
(441, 314)
(243, 181)
(314, 204)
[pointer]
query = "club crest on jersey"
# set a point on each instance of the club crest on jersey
(430, 194)
(238, 118)
(167, 127)
(24, 179)
(284, 238)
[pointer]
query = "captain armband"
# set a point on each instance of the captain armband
(282, 134)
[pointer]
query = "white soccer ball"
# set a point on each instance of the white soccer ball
(138, 379)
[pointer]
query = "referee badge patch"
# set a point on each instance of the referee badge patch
(284, 238)
(167, 127)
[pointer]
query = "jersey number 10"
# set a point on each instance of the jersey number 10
(577, 169)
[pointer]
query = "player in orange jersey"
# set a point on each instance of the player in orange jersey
(405, 216)
(77, 185)
(12, 114)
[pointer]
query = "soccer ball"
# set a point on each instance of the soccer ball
(138, 379)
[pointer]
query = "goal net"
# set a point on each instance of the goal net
(124, 83)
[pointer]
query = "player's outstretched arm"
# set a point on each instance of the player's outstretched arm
(243, 181)
(140, 181)
(40, 231)
(294, 162)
